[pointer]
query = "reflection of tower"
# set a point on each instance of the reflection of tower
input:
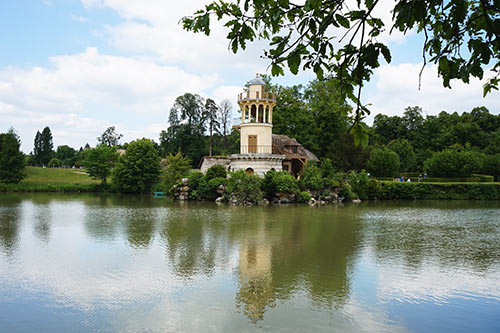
(256, 151)
(256, 291)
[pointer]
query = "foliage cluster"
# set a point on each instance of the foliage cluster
(279, 182)
(383, 162)
(11, 158)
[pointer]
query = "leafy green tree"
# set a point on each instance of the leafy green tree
(491, 166)
(383, 162)
(188, 107)
(54, 162)
(110, 137)
(453, 163)
(299, 36)
(210, 115)
(404, 149)
(66, 154)
(138, 169)
(188, 139)
(11, 158)
(178, 167)
(99, 161)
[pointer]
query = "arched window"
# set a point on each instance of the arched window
(261, 113)
(249, 171)
(253, 114)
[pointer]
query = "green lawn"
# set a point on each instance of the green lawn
(36, 175)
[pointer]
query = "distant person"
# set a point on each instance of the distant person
(409, 180)
(420, 178)
(402, 179)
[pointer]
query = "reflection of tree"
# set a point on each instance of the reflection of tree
(140, 228)
(43, 217)
(9, 224)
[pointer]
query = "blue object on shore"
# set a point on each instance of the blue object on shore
(159, 194)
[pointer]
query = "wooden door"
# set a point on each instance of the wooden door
(252, 143)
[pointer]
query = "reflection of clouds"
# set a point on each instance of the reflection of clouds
(436, 284)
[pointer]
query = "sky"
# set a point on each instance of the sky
(80, 66)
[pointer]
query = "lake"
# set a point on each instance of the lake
(72, 263)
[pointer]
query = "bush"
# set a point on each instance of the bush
(304, 197)
(244, 187)
(209, 189)
(99, 161)
(216, 171)
(138, 169)
(423, 191)
(11, 158)
(452, 163)
(312, 178)
(383, 162)
(346, 192)
(359, 183)
(279, 181)
(404, 149)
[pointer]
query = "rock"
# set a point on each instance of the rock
(185, 181)
(356, 200)
(285, 197)
(219, 200)
(311, 202)
(263, 202)
(221, 189)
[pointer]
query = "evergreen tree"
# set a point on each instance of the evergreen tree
(44, 146)
(11, 158)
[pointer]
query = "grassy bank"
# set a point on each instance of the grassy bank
(54, 180)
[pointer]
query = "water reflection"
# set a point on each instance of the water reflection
(10, 214)
(136, 263)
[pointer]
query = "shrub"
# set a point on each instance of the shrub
(279, 181)
(359, 183)
(11, 158)
(346, 192)
(244, 187)
(383, 162)
(304, 197)
(209, 188)
(99, 161)
(404, 149)
(312, 178)
(216, 171)
(452, 163)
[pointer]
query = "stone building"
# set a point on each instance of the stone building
(260, 149)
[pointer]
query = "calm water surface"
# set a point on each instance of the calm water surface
(109, 263)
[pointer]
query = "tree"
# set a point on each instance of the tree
(11, 158)
(225, 109)
(187, 107)
(383, 162)
(177, 168)
(66, 154)
(54, 163)
(99, 161)
(453, 163)
(138, 169)
(300, 37)
(491, 166)
(110, 138)
(43, 149)
(188, 139)
(210, 114)
(404, 149)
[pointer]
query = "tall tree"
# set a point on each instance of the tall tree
(225, 109)
(44, 146)
(210, 115)
(11, 158)
(300, 37)
(99, 161)
(110, 137)
(188, 107)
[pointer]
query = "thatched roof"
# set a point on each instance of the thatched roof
(290, 147)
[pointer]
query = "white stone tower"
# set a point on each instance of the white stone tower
(256, 139)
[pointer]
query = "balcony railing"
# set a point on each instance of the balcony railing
(257, 149)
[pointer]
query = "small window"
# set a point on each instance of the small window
(249, 171)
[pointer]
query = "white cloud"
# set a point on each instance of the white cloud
(80, 19)
(393, 88)
(84, 93)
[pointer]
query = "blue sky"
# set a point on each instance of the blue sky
(80, 66)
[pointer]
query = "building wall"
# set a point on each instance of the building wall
(263, 132)
(211, 161)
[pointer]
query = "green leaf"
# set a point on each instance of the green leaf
(294, 62)
(342, 21)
